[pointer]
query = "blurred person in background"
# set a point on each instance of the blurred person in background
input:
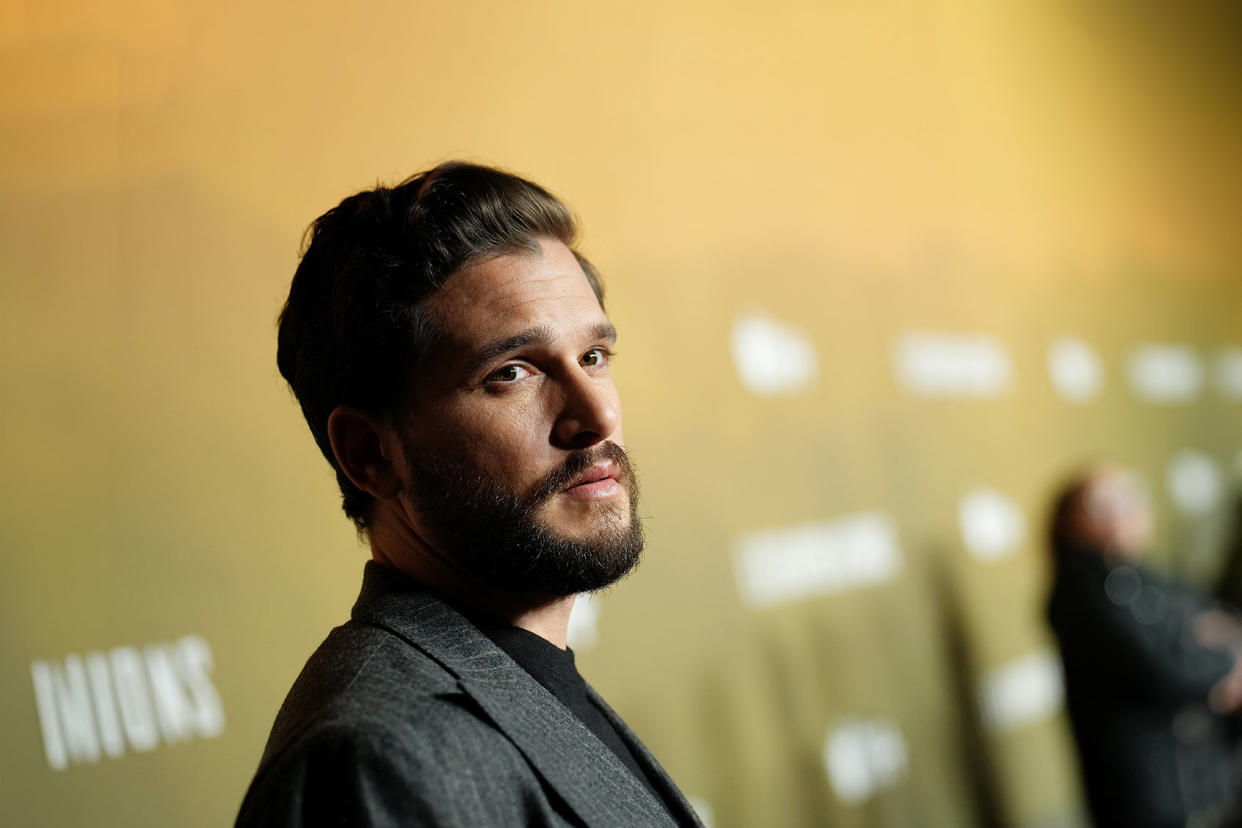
(451, 354)
(1153, 668)
(1229, 583)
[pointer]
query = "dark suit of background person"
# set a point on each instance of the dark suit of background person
(1150, 702)
(451, 354)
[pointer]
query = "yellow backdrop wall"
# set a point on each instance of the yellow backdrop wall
(883, 272)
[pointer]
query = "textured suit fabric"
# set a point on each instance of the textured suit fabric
(408, 715)
(1137, 683)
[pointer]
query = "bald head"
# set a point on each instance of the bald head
(1104, 510)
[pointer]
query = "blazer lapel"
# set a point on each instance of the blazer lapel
(683, 812)
(572, 761)
(586, 774)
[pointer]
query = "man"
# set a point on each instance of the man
(1151, 667)
(450, 352)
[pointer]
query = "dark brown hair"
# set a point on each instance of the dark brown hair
(354, 329)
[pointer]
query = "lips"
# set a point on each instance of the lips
(605, 470)
(598, 473)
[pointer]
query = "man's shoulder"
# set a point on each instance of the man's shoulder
(375, 725)
(361, 678)
(370, 688)
(358, 658)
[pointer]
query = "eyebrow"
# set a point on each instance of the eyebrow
(603, 331)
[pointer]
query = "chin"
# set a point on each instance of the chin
(565, 513)
(582, 521)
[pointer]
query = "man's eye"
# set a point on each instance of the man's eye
(595, 356)
(508, 373)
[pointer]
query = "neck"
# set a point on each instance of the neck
(396, 544)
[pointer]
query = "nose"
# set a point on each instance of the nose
(590, 414)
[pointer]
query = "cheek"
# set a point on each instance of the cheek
(511, 440)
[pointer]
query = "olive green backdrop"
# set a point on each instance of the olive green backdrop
(883, 273)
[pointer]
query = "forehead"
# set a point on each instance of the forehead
(514, 292)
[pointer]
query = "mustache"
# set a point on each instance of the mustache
(575, 464)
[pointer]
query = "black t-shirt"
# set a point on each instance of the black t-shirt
(554, 668)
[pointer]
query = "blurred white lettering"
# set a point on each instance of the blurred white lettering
(133, 699)
(125, 698)
(1227, 372)
(1025, 690)
(951, 365)
(703, 810)
(864, 757)
(775, 566)
(771, 357)
(194, 656)
(1165, 373)
(992, 525)
(584, 622)
(106, 716)
(1075, 369)
(1194, 483)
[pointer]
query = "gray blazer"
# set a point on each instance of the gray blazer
(408, 715)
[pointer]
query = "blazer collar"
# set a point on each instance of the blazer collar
(582, 770)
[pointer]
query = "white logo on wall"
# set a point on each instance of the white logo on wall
(127, 699)
(1194, 483)
(1227, 372)
(583, 631)
(951, 365)
(992, 525)
(776, 566)
(772, 357)
(864, 757)
(1164, 373)
(1028, 689)
(703, 810)
(1075, 370)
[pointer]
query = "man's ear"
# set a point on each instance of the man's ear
(366, 449)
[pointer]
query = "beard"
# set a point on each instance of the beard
(497, 535)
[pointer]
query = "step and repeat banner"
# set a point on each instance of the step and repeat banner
(883, 277)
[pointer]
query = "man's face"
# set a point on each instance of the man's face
(514, 445)
(1113, 515)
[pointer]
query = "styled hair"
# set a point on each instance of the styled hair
(355, 328)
